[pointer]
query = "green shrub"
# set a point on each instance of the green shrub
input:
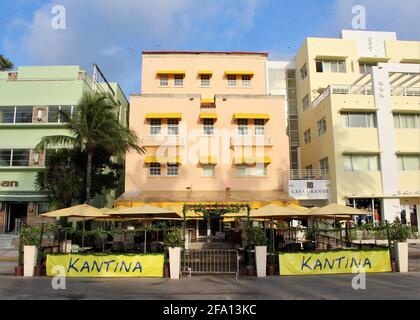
(256, 235)
(174, 238)
(399, 231)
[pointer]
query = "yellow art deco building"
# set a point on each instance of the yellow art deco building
(358, 111)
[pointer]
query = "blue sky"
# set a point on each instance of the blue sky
(113, 33)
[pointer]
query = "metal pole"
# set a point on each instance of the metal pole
(83, 235)
(145, 240)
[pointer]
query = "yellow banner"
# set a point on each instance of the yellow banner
(111, 266)
(334, 262)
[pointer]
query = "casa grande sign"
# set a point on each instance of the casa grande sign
(309, 189)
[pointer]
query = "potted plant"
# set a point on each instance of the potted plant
(310, 236)
(174, 242)
(40, 269)
(258, 240)
(399, 234)
(29, 240)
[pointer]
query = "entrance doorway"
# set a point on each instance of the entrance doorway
(16, 213)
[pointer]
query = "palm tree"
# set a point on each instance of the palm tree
(94, 125)
(5, 64)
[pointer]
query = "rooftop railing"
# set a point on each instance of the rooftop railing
(308, 174)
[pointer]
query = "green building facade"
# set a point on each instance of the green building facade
(29, 102)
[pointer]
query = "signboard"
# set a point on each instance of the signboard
(9, 184)
(111, 266)
(334, 262)
(309, 189)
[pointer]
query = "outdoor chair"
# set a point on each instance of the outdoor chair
(75, 248)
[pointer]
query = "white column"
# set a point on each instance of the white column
(391, 208)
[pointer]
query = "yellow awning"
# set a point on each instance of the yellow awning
(205, 72)
(263, 116)
(208, 160)
(208, 101)
(173, 160)
(164, 116)
(154, 159)
(208, 115)
(239, 73)
(252, 160)
(168, 72)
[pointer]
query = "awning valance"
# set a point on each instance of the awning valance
(252, 160)
(171, 72)
(162, 160)
(208, 115)
(208, 101)
(263, 116)
(205, 72)
(164, 116)
(240, 73)
(208, 160)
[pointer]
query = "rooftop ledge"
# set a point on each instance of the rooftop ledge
(199, 96)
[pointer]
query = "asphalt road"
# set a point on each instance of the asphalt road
(378, 286)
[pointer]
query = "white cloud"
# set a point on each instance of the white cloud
(112, 33)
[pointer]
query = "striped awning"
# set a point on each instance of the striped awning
(252, 160)
(240, 73)
(208, 160)
(162, 160)
(164, 116)
(208, 115)
(263, 116)
(171, 72)
(205, 72)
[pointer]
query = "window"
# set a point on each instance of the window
(5, 157)
(323, 165)
(173, 170)
(14, 157)
(242, 171)
(209, 170)
(246, 81)
(305, 103)
(54, 115)
(155, 169)
(179, 80)
(335, 66)
(7, 114)
(155, 127)
(173, 127)
(358, 120)
(409, 162)
(208, 127)
(20, 157)
(231, 80)
(356, 162)
(259, 127)
(322, 127)
(304, 72)
(307, 136)
(23, 115)
(407, 121)
(366, 67)
(260, 170)
(205, 80)
(164, 81)
(242, 127)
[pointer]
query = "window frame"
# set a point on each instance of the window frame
(402, 162)
(178, 80)
(155, 167)
(172, 170)
(350, 159)
(259, 127)
(242, 127)
(305, 103)
(304, 72)
(369, 117)
(208, 124)
(307, 137)
(164, 80)
(205, 80)
(246, 81)
(173, 124)
(154, 127)
(205, 167)
(231, 80)
(325, 170)
(322, 126)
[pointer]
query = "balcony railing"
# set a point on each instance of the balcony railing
(293, 136)
(251, 141)
(162, 140)
(343, 89)
(308, 174)
(404, 91)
